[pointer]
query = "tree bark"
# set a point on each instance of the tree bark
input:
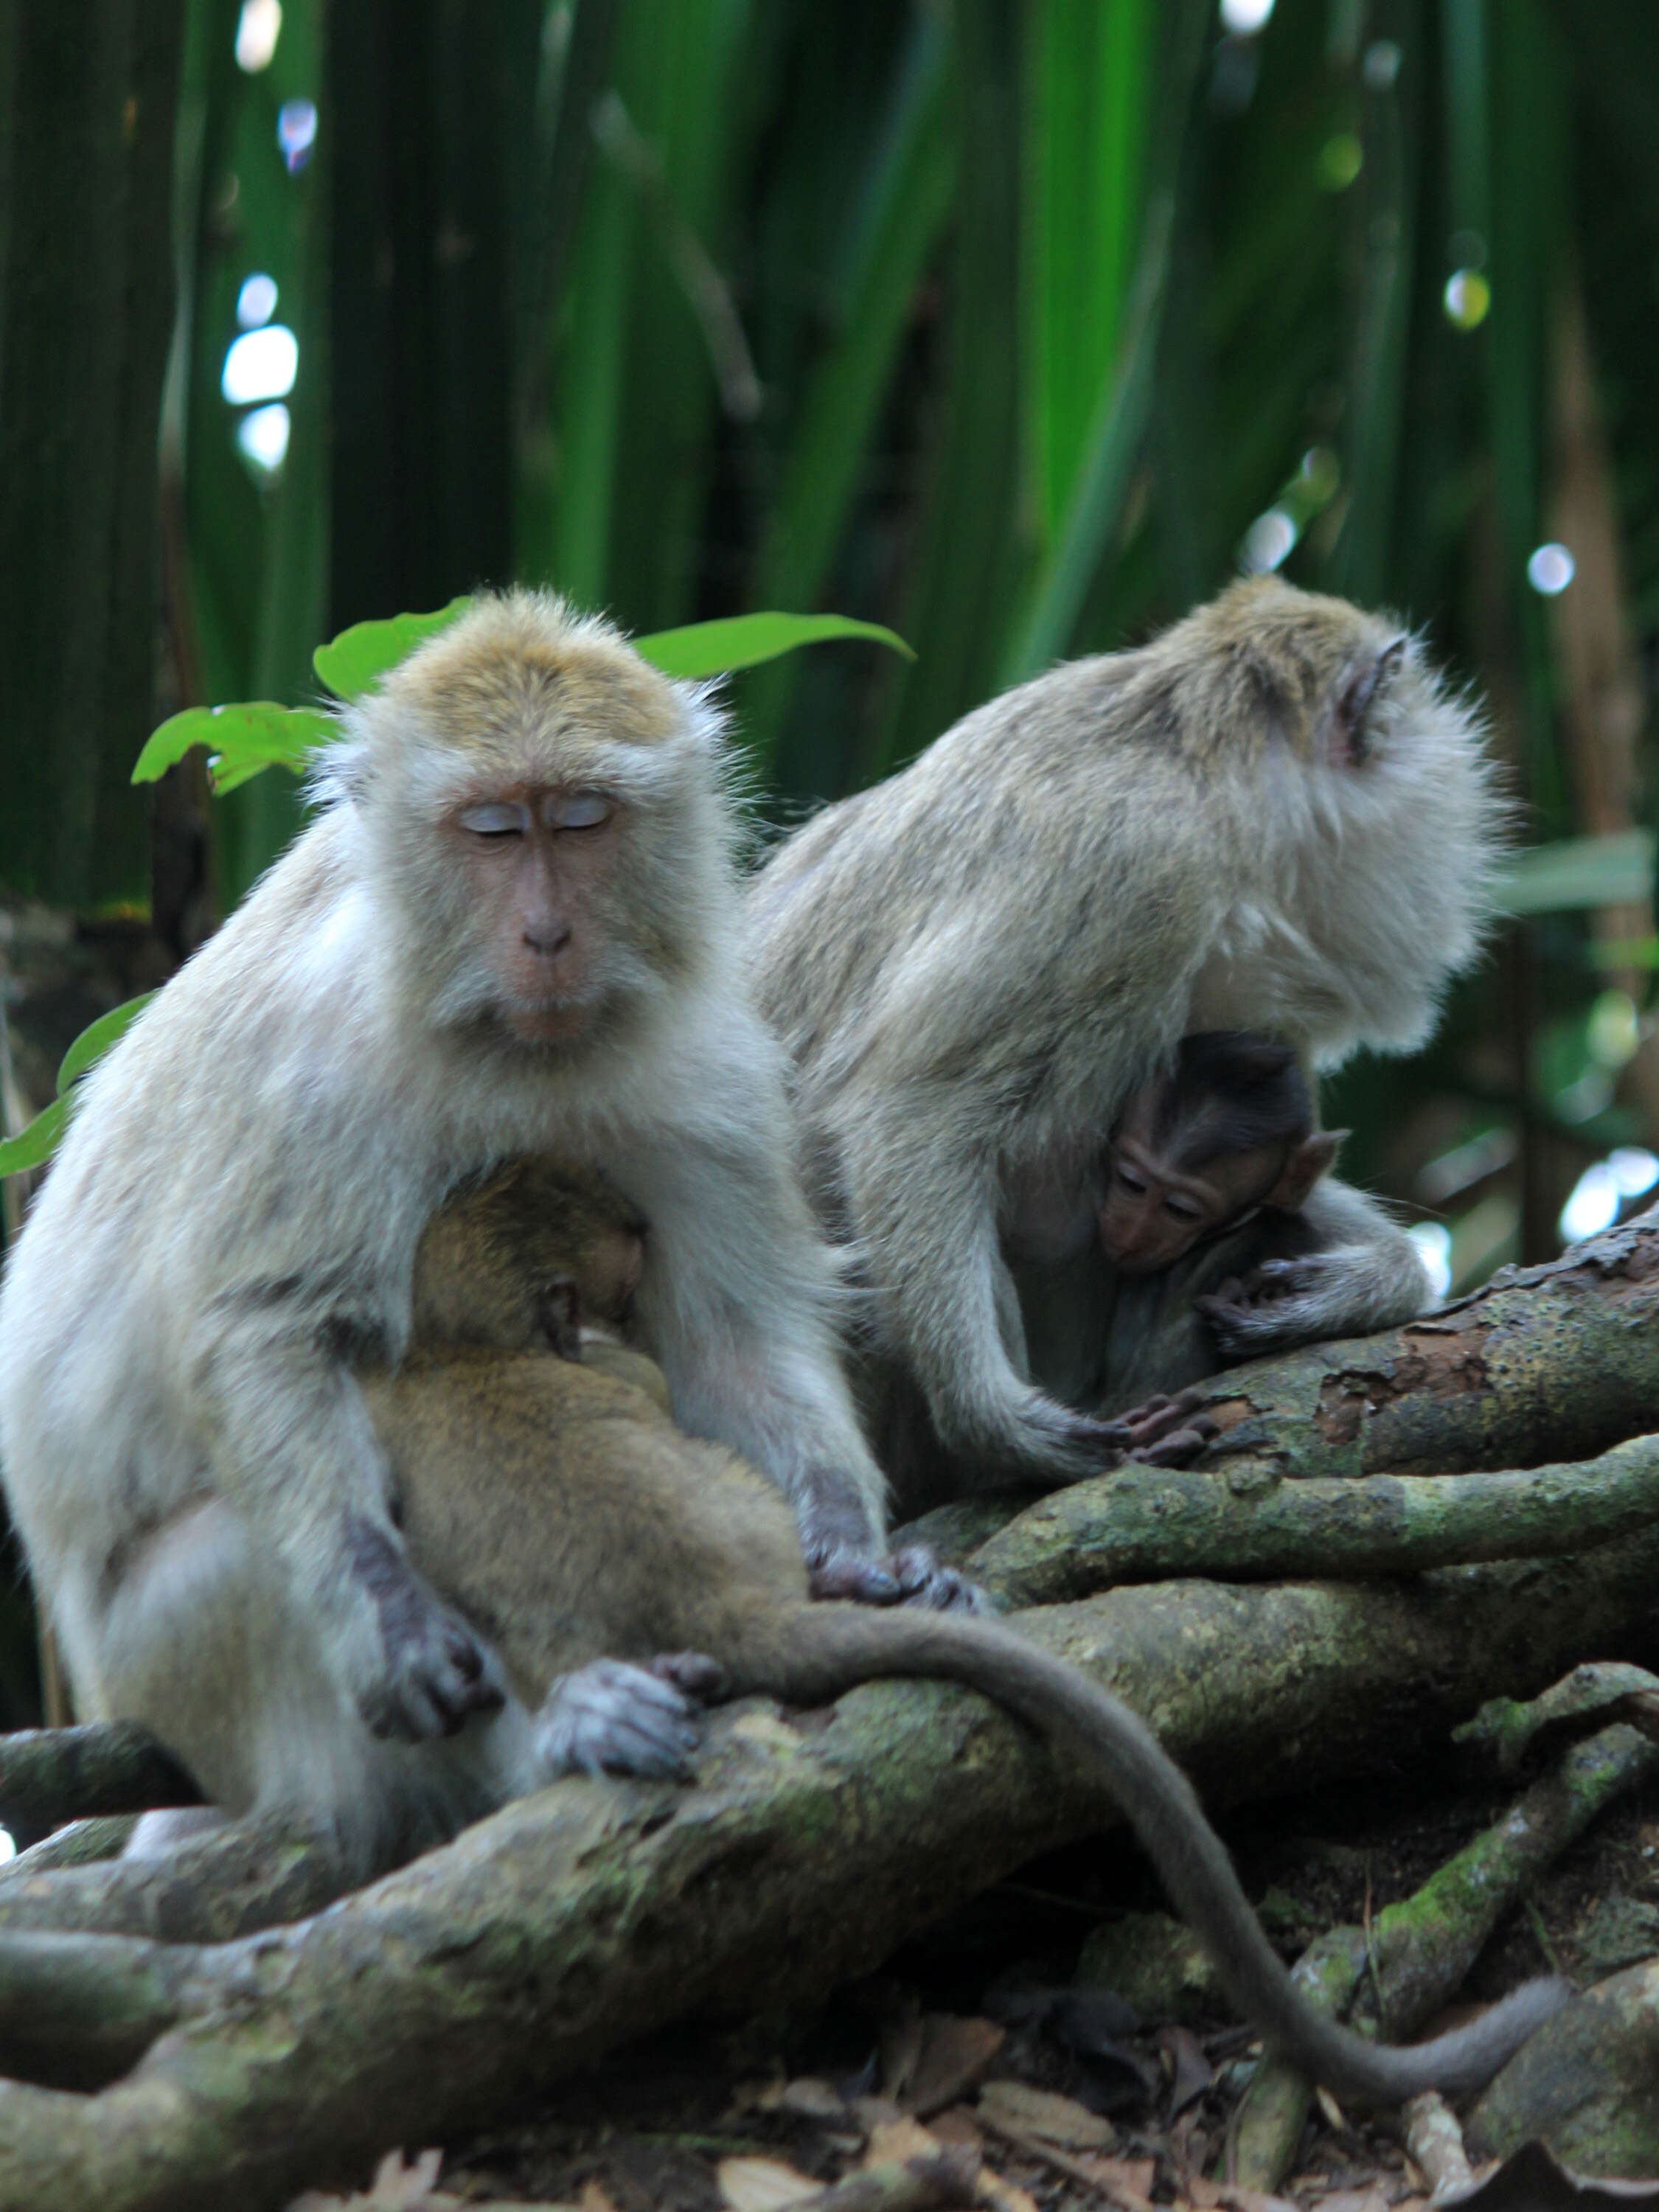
(448, 1994)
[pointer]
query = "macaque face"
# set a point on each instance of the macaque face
(1153, 1211)
(540, 859)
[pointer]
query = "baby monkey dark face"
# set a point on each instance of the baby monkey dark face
(1227, 1129)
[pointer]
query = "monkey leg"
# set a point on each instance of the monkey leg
(613, 1718)
(203, 1641)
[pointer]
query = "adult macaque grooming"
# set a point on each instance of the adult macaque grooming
(1273, 818)
(1195, 1214)
(626, 1573)
(514, 926)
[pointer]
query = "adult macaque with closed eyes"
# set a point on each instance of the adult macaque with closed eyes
(626, 1573)
(1273, 817)
(513, 927)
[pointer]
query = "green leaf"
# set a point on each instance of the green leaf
(246, 738)
(38, 1142)
(354, 662)
(95, 1040)
(711, 648)
(1579, 872)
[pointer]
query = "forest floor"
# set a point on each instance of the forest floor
(1131, 2107)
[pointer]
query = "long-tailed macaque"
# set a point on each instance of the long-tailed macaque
(1274, 817)
(625, 1574)
(513, 927)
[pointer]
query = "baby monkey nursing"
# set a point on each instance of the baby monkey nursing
(625, 1574)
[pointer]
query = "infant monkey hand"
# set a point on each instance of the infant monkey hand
(1263, 1311)
(433, 1673)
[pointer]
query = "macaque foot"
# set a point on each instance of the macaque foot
(1167, 1431)
(612, 1717)
(923, 1581)
(435, 1674)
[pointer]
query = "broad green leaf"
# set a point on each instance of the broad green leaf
(354, 662)
(245, 739)
(1579, 872)
(711, 648)
(95, 1040)
(36, 1143)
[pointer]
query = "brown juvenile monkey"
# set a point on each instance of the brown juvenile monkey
(513, 927)
(1274, 816)
(625, 1573)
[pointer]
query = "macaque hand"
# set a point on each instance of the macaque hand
(612, 1717)
(1272, 1308)
(1167, 1431)
(845, 1560)
(433, 1673)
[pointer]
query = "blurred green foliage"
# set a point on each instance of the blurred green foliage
(1015, 325)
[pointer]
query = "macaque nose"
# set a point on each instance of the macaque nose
(549, 935)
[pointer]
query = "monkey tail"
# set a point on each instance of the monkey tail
(823, 1650)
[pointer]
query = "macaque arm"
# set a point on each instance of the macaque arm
(1365, 1275)
(290, 1446)
(926, 1210)
(737, 1303)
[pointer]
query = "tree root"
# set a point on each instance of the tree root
(1421, 1949)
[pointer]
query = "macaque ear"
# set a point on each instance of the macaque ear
(1356, 701)
(1308, 1162)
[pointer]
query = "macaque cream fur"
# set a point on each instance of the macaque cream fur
(232, 1222)
(1274, 816)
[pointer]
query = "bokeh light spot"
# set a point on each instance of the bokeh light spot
(1434, 1244)
(1341, 160)
(1381, 66)
(1266, 542)
(256, 302)
(1551, 569)
(258, 28)
(1467, 297)
(262, 437)
(296, 131)
(261, 365)
(1246, 16)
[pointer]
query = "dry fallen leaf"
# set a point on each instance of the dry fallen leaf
(894, 2140)
(1040, 2112)
(955, 2057)
(809, 2098)
(395, 2188)
(991, 2190)
(959, 2127)
(762, 2185)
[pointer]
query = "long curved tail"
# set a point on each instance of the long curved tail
(825, 1650)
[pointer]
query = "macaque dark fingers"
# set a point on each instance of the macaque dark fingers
(695, 1673)
(611, 1717)
(1181, 1448)
(1149, 1423)
(854, 1576)
(924, 1582)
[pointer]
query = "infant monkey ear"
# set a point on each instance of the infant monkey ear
(1307, 1165)
(559, 1317)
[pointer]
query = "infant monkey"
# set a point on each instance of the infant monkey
(554, 1503)
(1227, 1132)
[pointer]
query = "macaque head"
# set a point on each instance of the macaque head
(528, 1259)
(1227, 1129)
(543, 808)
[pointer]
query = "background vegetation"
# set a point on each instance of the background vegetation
(1019, 327)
